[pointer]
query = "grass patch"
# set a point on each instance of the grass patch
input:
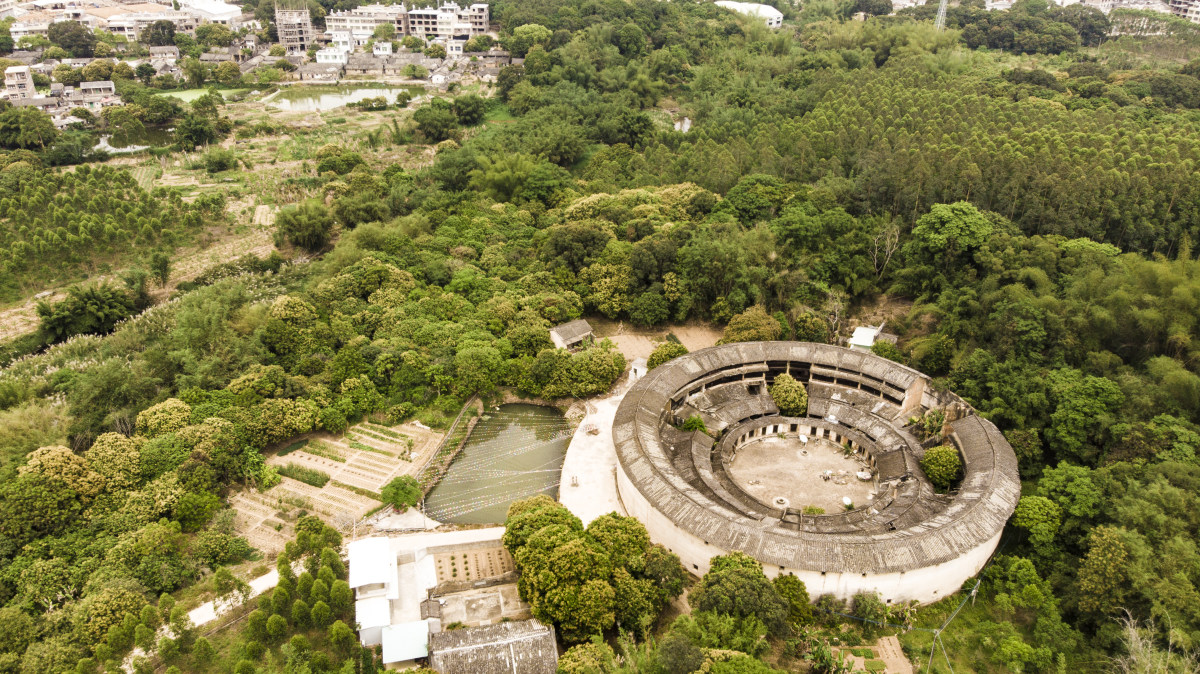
(358, 490)
(863, 652)
(309, 476)
(325, 450)
(367, 448)
(499, 113)
(299, 444)
(189, 95)
(363, 433)
(874, 665)
(381, 430)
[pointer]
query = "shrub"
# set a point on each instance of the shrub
(943, 466)
(93, 309)
(794, 592)
(752, 325)
(889, 351)
(219, 159)
(309, 476)
(665, 352)
(435, 122)
(276, 628)
(789, 396)
(307, 225)
(648, 308)
(868, 607)
(678, 655)
(402, 492)
(694, 423)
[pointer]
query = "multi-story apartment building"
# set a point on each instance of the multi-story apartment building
(295, 29)
(1187, 9)
(214, 11)
(18, 83)
(130, 20)
(126, 19)
(353, 28)
(448, 20)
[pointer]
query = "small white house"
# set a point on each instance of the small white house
(773, 17)
(638, 369)
(571, 336)
(382, 48)
(864, 337)
(392, 578)
(333, 55)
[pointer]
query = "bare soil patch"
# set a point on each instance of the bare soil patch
(887, 309)
(23, 319)
(634, 342)
(775, 468)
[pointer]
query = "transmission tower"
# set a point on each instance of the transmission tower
(940, 23)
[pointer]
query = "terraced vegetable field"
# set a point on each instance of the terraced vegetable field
(359, 464)
(145, 176)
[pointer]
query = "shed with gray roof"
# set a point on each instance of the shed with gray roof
(525, 646)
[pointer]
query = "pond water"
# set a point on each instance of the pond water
(310, 98)
(512, 454)
(189, 95)
(154, 137)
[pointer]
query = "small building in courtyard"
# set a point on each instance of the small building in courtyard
(525, 646)
(572, 336)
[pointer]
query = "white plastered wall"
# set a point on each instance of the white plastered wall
(923, 585)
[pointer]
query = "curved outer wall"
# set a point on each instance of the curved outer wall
(921, 559)
(923, 584)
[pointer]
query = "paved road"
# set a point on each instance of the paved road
(208, 612)
(589, 484)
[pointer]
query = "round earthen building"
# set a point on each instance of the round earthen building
(836, 497)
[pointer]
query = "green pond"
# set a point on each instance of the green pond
(513, 453)
(189, 95)
(152, 137)
(310, 98)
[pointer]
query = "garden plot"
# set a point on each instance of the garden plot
(336, 478)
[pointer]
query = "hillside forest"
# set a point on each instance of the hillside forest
(1015, 195)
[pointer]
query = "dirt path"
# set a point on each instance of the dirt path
(23, 319)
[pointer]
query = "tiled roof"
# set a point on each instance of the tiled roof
(912, 527)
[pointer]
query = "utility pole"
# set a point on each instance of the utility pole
(940, 24)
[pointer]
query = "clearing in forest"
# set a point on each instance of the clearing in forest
(634, 342)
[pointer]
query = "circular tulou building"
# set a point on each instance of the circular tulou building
(836, 497)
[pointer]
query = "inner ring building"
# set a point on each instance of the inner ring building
(836, 497)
